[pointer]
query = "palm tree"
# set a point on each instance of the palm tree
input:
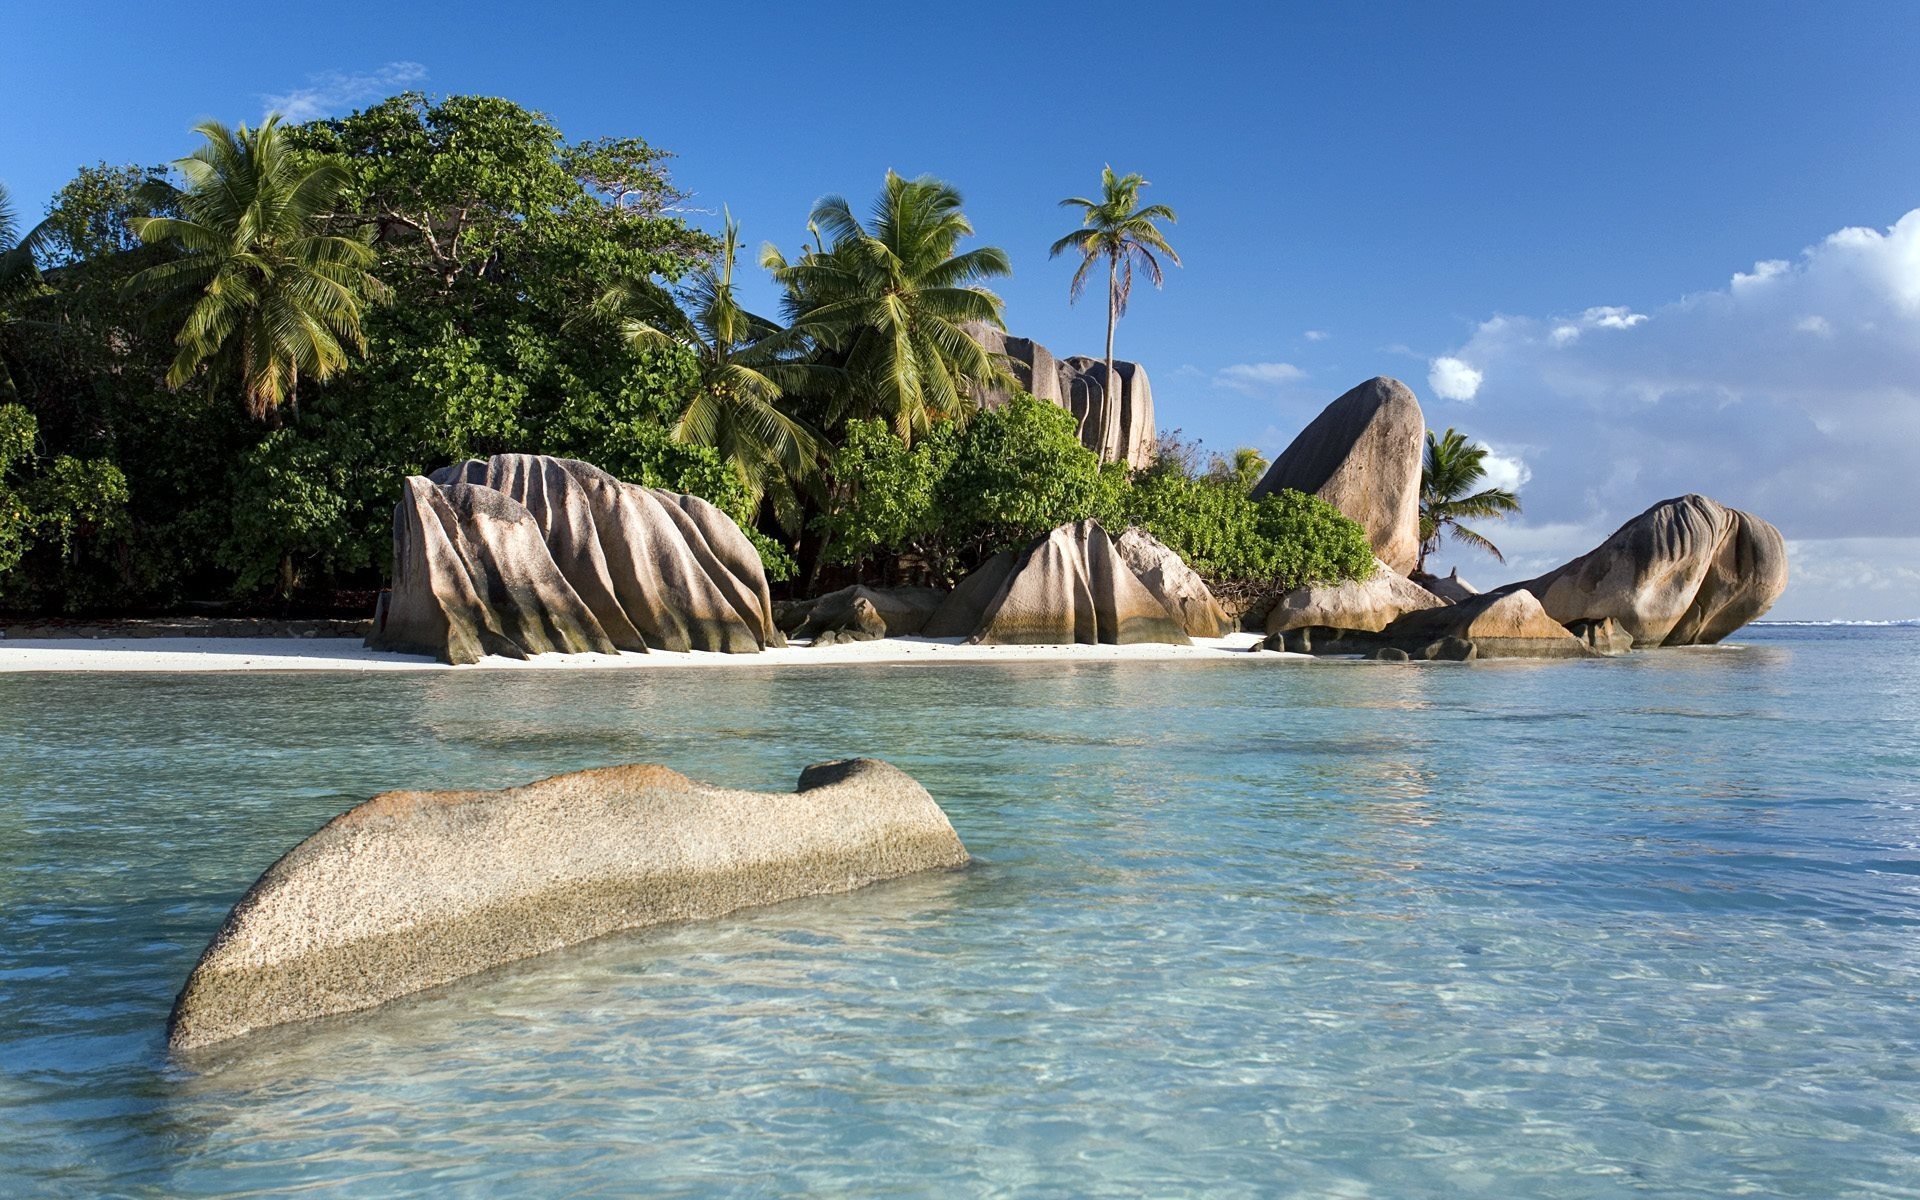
(746, 365)
(888, 301)
(1242, 468)
(263, 291)
(1117, 229)
(1452, 470)
(19, 279)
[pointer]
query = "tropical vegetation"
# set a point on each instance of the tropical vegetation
(217, 372)
(1450, 477)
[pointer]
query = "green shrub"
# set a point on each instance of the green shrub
(1242, 545)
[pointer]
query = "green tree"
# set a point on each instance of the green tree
(263, 291)
(19, 280)
(1116, 228)
(881, 493)
(887, 302)
(70, 497)
(746, 364)
(1019, 471)
(1452, 470)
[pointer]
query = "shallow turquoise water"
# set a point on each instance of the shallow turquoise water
(1639, 927)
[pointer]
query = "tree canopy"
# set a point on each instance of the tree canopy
(432, 279)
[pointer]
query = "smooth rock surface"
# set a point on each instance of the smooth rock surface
(1686, 572)
(1072, 586)
(414, 889)
(1362, 455)
(1369, 604)
(1117, 424)
(1509, 625)
(527, 554)
(1176, 585)
(960, 613)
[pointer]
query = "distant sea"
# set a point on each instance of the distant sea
(1647, 926)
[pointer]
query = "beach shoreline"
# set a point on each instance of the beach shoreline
(123, 655)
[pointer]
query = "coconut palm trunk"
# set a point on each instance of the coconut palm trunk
(1113, 315)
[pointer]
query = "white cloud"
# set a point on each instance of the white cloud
(1508, 471)
(1452, 379)
(1737, 393)
(1316, 335)
(1612, 316)
(331, 92)
(1257, 377)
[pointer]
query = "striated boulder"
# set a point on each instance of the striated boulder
(960, 613)
(1362, 455)
(1115, 422)
(413, 889)
(1072, 586)
(1509, 625)
(1686, 572)
(524, 554)
(903, 612)
(1174, 584)
(1369, 604)
(472, 577)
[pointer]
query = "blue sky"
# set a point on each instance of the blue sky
(1532, 214)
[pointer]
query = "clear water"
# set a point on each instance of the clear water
(1642, 927)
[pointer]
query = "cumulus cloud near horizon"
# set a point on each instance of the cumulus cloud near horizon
(1792, 391)
(333, 92)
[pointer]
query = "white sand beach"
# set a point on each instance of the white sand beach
(348, 654)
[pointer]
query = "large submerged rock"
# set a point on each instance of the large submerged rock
(1072, 586)
(1369, 604)
(1362, 455)
(414, 889)
(1115, 422)
(1686, 572)
(1177, 586)
(525, 554)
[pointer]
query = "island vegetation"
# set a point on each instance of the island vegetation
(214, 374)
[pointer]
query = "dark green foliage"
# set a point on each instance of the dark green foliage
(53, 507)
(1275, 543)
(494, 237)
(493, 232)
(961, 495)
(881, 492)
(1019, 471)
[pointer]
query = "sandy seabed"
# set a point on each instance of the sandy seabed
(348, 654)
